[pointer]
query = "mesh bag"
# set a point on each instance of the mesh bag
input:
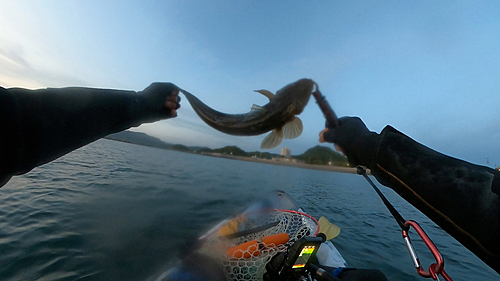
(245, 257)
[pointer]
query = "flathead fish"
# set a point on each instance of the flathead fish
(279, 115)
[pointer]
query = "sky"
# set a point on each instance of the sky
(431, 69)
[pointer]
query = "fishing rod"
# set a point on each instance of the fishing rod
(434, 269)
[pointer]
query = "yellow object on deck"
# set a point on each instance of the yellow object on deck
(329, 229)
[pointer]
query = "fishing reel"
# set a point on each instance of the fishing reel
(297, 263)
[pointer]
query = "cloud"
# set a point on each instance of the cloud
(18, 68)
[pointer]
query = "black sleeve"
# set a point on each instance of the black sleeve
(38, 126)
(460, 197)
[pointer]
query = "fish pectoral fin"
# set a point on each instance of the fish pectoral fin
(293, 129)
(272, 140)
(255, 108)
(266, 93)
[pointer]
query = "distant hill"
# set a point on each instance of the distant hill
(139, 138)
(264, 155)
(180, 147)
(321, 155)
(232, 150)
(197, 148)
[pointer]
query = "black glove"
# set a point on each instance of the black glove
(154, 99)
(356, 141)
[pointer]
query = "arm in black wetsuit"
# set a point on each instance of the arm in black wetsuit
(460, 197)
(38, 126)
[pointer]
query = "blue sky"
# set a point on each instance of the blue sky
(429, 68)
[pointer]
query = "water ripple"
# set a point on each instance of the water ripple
(116, 211)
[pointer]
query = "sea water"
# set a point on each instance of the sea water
(118, 211)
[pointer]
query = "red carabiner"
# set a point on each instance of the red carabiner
(435, 268)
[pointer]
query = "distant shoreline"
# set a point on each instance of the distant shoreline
(286, 163)
(328, 168)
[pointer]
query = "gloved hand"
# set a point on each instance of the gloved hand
(353, 139)
(160, 101)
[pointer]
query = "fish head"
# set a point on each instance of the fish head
(296, 95)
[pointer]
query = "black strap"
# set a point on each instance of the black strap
(397, 216)
(251, 231)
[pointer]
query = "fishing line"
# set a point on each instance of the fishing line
(361, 170)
